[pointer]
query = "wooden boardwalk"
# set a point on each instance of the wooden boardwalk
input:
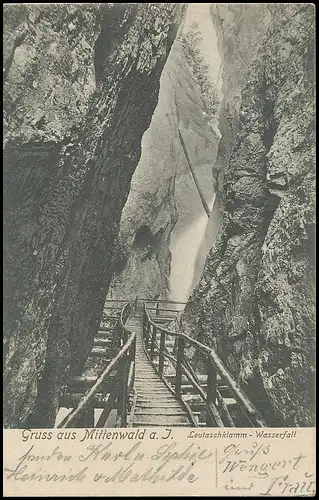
(139, 373)
(155, 403)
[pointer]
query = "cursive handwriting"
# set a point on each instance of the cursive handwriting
(285, 485)
(240, 468)
(250, 453)
(151, 475)
(262, 469)
(243, 468)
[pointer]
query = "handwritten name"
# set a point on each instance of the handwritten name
(170, 462)
(256, 467)
(20, 472)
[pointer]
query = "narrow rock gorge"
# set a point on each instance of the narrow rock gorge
(160, 151)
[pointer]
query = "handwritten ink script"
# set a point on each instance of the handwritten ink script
(193, 462)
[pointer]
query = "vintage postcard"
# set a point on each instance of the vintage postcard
(159, 249)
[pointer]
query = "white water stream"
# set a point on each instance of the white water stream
(194, 233)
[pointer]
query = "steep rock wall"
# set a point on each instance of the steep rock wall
(81, 84)
(255, 301)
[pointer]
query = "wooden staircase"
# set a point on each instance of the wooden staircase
(155, 404)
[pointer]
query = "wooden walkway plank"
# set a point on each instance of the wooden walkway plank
(155, 404)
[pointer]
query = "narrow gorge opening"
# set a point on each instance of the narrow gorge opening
(173, 189)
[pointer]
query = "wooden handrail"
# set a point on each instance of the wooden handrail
(89, 396)
(130, 378)
(236, 390)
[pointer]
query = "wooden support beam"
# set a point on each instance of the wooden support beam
(89, 417)
(211, 388)
(108, 407)
(153, 339)
(161, 355)
(161, 301)
(224, 410)
(163, 319)
(123, 400)
(213, 410)
(116, 300)
(179, 372)
(201, 378)
(110, 316)
(193, 415)
(102, 342)
(112, 307)
(105, 329)
(131, 414)
(162, 309)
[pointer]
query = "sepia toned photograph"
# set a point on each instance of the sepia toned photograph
(159, 217)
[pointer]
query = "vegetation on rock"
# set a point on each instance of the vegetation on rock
(190, 45)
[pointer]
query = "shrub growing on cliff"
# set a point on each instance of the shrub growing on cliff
(190, 45)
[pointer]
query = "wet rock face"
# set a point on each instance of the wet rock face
(81, 84)
(256, 296)
(163, 203)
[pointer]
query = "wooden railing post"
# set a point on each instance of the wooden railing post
(86, 419)
(124, 393)
(133, 358)
(89, 417)
(211, 387)
(144, 323)
(161, 354)
(124, 336)
(147, 333)
(179, 371)
(157, 309)
(153, 342)
(119, 402)
(147, 338)
(116, 337)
